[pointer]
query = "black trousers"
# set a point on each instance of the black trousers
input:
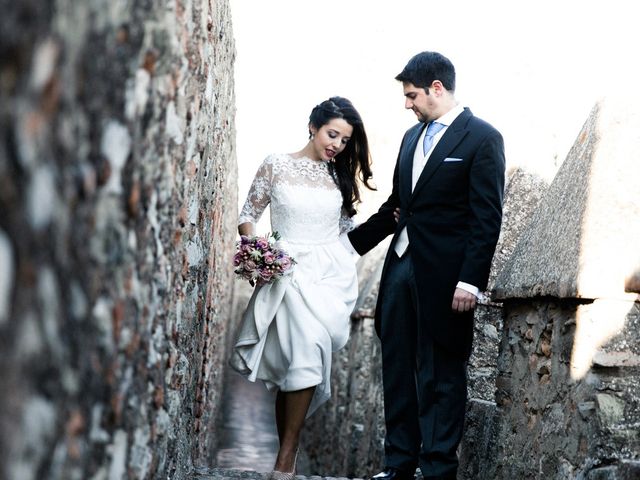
(425, 387)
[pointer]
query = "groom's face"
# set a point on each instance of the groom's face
(416, 99)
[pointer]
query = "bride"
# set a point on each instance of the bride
(291, 326)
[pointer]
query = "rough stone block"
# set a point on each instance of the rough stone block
(577, 244)
(110, 341)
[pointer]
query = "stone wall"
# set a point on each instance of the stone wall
(568, 388)
(117, 219)
(551, 424)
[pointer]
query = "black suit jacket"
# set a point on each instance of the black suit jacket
(453, 219)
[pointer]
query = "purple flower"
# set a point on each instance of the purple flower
(262, 244)
(250, 265)
(285, 264)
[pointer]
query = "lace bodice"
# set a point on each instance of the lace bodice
(306, 204)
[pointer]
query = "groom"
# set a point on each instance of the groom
(444, 212)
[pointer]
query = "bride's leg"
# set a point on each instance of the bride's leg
(295, 407)
(280, 414)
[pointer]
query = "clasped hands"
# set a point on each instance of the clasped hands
(463, 301)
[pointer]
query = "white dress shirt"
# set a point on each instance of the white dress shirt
(419, 161)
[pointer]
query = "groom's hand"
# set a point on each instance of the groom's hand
(463, 301)
(396, 214)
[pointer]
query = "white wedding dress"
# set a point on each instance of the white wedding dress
(291, 326)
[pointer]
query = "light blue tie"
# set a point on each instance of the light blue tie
(432, 129)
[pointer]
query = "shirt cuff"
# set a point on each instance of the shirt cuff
(344, 239)
(470, 288)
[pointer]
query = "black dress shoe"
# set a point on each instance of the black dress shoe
(391, 473)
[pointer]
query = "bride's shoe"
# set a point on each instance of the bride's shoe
(276, 475)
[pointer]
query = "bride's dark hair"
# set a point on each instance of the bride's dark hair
(354, 162)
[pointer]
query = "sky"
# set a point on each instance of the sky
(532, 69)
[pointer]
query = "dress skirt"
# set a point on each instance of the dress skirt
(291, 326)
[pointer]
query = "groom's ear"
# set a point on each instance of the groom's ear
(438, 87)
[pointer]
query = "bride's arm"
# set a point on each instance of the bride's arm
(258, 198)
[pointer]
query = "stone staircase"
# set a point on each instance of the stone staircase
(228, 473)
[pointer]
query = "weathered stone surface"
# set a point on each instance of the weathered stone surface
(582, 240)
(481, 371)
(523, 192)
(223, 474)
(568, 383)
(479, 442)
(550, 421)
(117, 219)
(616, 359)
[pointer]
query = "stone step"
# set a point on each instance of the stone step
(229, 473)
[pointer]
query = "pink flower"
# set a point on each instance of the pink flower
(266, 275)
(250, 265)
(237, 259)
(269, 257)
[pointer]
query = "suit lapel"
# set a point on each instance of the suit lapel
(406, 162)
(451, 138)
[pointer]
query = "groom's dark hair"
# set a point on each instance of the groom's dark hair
(426, 67)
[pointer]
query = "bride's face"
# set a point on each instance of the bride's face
(330, 139)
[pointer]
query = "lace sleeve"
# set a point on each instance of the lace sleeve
(346, 223)
(259, 194)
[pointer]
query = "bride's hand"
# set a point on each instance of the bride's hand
(247, 229)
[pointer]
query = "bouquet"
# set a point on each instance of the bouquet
(260, 260)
